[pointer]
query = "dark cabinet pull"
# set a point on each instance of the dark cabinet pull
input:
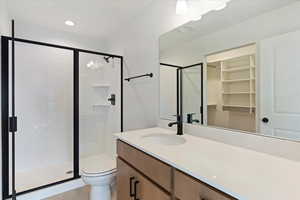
(131, 193)
(202, 198)
(135, 190)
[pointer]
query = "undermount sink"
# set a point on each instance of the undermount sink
(164, 139)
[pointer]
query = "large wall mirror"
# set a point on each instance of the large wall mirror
(236, 68)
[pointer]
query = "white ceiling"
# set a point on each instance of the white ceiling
(236, 12)
(97, 18)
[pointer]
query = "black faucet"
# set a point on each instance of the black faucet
(179, 124)
(190, 119)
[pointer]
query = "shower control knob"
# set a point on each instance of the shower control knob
(265, 120)
(112, 99)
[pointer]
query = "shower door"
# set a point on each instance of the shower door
(43, 85)
(192, 94)
(43, 91)
(169, 92)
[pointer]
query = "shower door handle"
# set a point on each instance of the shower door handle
(112, 99)
(12, 124)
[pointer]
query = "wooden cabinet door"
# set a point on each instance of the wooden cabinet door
(187, 188)
(156, 170)
(123, 181)
(144, 189)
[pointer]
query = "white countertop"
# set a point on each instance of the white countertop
(239, 172)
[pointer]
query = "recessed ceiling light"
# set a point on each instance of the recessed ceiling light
(69, 23)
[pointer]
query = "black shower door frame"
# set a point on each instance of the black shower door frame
(179, 88)
(5, 102)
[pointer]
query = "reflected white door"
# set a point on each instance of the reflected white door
(280, 86)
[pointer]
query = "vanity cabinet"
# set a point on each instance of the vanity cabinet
(152, 168)
(134, 186)
(188, 188)
(143, 177)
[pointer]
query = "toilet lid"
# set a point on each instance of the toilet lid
(98, 165)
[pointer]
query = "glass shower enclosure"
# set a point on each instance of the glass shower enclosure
(181, 93)
(62, 102)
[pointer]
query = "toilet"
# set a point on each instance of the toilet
(100, 173)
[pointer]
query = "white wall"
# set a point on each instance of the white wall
(4, 26)
(138, 42)
(40, 33)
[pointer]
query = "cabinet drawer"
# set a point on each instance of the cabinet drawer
(188, 188)
(154, 169)
(131, 181)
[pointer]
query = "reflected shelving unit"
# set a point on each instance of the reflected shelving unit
(231, 84)
(238, 83)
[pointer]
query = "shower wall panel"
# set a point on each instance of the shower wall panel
(98, 80)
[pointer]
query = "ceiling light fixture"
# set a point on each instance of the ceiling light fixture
(196, 9)
(181, 7)
(69, 23)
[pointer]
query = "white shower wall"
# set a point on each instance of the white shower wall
(98, 120)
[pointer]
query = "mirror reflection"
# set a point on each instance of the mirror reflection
(231, 89)
(235, 68)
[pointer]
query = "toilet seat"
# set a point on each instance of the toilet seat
(102, 173)
(98, 166)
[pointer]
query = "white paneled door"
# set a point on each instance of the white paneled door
(280, 86)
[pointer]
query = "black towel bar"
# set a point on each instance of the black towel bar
(134, 77)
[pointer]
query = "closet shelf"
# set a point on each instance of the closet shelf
(237, 80)
(101, 86)
(237, 93)
(236, 69)
(212, 106)
(239, 108)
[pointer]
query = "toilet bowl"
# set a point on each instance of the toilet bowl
(100, 174)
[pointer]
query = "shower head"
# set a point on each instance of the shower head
(107, 58)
